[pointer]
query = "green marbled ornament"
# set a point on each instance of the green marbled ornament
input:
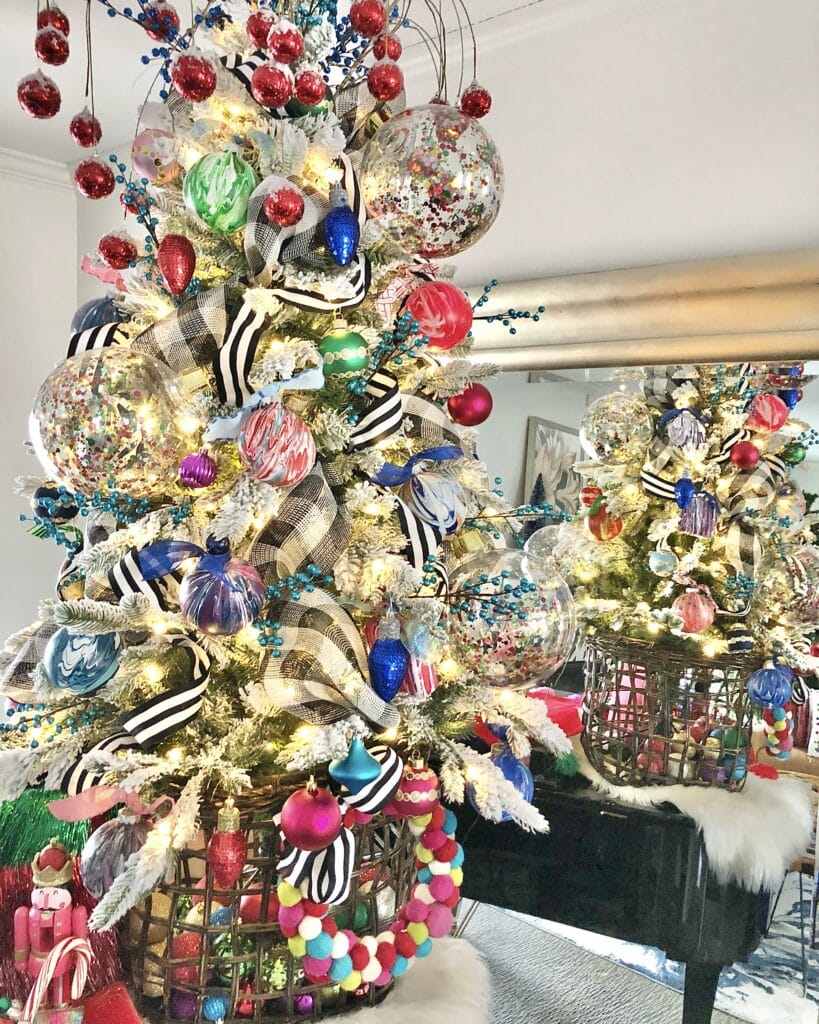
(794, 453)
(217, 189)
(344, 352)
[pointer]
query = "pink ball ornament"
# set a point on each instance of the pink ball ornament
(443, 313)
(311, 819)
(418, 792)
(472, 406)
(696, 610)
(275, 446)
(744, 455)
(767, 413)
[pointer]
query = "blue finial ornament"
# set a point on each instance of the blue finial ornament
(341, 229)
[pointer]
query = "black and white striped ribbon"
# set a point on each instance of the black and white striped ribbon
(234, 361)
(78, 778)
(725, 451)
(799, 692)
(127, 578)
(96, 338)
(381, 790)
(422, 539)
(324, 876)
(384, 414)
(243, 67)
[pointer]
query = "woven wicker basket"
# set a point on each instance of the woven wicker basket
(656, 717)
(252, 966)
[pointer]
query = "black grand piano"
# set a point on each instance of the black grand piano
(633, 873)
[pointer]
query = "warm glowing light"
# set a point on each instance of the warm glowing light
(269, 747)
(371, 508)
(152, 672)
(654, 627)
(709, 649)
(187, 423)
(472, 773)
(378, 565)
(159, 627)
(304, 733)
(449, 666)
(175, 755)
(390, 735)
(505, 696)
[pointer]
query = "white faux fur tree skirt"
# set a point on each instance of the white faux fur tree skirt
(451, 984)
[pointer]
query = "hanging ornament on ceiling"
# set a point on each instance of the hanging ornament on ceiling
(356, 769)
(176, 257)
(284, 206)
(276, 446)
(217, 189)
(94, 179)
(285, 43)
(341, 228)
(51, 46)
(161, 20)
(309, 87)
(475, 101)
(442, 311)
(39, 96)
(766, 413)
(700, 515)
(117, 250)
(108, 848)
(193, 77)
(153, 156)
(368, 17)
(272, 85)
(227, 849)
(385, 81)
(388, 658)
(223, 594)
(54, 17)
(311, 818)
(472, 407)
(258, 27)
(696, 609)
(344, 352)
(387, 46)
(85, 129)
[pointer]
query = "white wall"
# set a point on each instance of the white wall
(96, 218)
(37, 299)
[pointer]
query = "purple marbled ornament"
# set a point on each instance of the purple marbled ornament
(686, 430)
(699, 517)
(197, 470)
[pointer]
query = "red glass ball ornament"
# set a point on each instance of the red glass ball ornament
(177, 261)
(744, 455)
(272, 85)
(56, 18)
(193, 77)
(602, 525)
(258, 28)
(39, 96)
(589, 495)
(310, 87)
(51, 46)
(161, 20)
(94, 179)
(767, 413)
(476, 101)
(85, 129)
(418, 792)
(443, 313)
(284, 207)
(368, 17)
(117, 250)
(385, 80)
(472, 406)
(387, 46)
(311, 818)
(186, 946)
(285, 43)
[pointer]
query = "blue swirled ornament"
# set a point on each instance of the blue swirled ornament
(663, 562)
(95, 313)
(437, 499)
(222, 594)
(79, 663)
(769, 687)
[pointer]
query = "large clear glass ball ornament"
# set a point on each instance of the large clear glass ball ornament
(506, 628)
(616, 428)
(432, 179)
(112, 417)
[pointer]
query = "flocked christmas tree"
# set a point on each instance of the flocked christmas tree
(282, 549)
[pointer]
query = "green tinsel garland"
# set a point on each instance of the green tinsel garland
(26, 825)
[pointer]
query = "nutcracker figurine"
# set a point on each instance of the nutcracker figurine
(50, 919)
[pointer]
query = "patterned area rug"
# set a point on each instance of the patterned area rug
(766, 988)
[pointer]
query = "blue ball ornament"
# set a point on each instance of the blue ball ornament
(684, 491)
(663, 562)
(95, 313)
(790, 396)
(222, 594)
(513, 771)
(222, 916)
(388, 661)
(341, 228)
(356, 769)
(769, 687)
(81, 664)
(215, 1007)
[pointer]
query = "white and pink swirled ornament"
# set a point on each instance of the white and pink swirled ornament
(766, 413)
(275, 446)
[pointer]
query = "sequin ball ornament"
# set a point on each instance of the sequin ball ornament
(432, 179)
(39, 96)
(616, 428)
(94, 179)
(111, 414)
(85, 129)
(227, 849)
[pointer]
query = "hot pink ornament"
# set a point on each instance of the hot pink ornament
(275, 446)
(767, 413)
(696, 609)
(472, 406)
(197, 470)
(418, 793)
(443, 313)
(311, 818)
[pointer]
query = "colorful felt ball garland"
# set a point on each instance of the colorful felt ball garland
(333, 955)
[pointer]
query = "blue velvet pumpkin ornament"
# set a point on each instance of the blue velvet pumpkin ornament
(222, 594)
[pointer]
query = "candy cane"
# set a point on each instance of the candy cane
(82, 952)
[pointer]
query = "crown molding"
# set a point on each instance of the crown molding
(28, 167)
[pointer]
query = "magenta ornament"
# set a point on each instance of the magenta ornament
(311, 818)
(197, 470)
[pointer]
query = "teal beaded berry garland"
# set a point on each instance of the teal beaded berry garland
(344, 352)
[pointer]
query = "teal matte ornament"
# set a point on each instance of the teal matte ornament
(217, 189)
(357, 769)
